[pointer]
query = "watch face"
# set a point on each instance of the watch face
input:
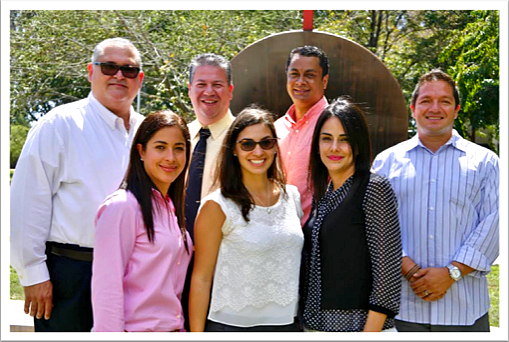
(455, 273)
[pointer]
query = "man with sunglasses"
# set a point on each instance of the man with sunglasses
(307, 71)
(73, 158)
(210, 90)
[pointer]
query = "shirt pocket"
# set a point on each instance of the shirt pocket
(464, 198)
(465, 188)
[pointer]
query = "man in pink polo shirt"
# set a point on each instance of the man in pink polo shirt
(307, 71)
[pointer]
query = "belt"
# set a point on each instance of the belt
(61, 250)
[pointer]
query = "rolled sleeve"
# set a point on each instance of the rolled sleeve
(481, 246)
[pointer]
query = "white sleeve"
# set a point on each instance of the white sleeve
(36, 179)
(294, 194)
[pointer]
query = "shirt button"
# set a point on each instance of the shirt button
(178, 316)
(307, 121)
(432, 264)
(431, 208)
(296, 131)
(289, 152)
(431, 237)
(178, 263)
(433, 180)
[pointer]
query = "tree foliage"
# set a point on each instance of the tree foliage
(17, 139)
(50, 51)
(475, 52)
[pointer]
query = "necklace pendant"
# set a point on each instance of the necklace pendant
(269, 210)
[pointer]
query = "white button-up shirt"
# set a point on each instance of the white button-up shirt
(73, 158)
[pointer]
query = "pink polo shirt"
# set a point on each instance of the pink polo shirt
(295, 144)
(137, 285)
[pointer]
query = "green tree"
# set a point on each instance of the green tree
(52, 71)
(411, 43)
(475, 55)
(18, 137)
(50, 51)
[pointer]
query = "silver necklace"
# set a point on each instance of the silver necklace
(267, 208)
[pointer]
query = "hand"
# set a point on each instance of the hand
(432, 283)
(39, 299)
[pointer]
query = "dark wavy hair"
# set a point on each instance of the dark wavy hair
(310, 51)
(139, 183)
(436, 75)
(355, 125)
(228, 174)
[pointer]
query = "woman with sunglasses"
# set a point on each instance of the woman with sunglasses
(353, 251)
(142, 249)
(248, 238)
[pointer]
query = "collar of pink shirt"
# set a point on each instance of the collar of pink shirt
(313, 111)
(158, 196)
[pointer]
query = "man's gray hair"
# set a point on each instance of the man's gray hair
(212, 60)
(117, 42)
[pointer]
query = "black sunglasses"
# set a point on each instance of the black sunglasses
(110, 69)
(249, 144)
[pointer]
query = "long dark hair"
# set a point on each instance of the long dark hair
(356, 127)
(229, 174)
(137, 180)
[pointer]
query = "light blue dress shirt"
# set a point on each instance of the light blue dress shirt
(448, 204)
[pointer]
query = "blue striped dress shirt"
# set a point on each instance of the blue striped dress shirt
(448, 204)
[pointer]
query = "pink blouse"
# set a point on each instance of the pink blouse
(137, 285)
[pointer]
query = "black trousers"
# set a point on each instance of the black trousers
(481, 325)
(212, 326)
(72, 305)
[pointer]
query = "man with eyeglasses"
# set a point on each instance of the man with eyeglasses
(307, 74)
(73, 158)
(210, 90)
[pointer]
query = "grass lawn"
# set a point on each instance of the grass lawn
(493, 287)
(17, 292)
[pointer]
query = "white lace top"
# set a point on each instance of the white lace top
(256, 280)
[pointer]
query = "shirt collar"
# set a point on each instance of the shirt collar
(216, 128)
(167, 200)
(108, 116)
(315, 110)
(456, 140)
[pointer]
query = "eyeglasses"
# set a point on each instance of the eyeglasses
(110, 69)
(249, 144)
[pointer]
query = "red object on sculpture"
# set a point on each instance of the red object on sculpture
(307, 25)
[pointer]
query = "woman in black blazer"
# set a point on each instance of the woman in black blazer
(353, 252)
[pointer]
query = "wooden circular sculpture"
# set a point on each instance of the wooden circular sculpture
(259, 77)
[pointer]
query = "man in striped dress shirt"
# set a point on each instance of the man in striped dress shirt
(448, 199)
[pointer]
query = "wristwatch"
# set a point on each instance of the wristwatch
(454, 272)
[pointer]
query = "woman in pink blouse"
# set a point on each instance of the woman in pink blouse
(142, 249)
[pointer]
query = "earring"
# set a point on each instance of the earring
(141, 158)
(234, 155)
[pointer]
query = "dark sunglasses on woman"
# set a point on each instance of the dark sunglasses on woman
(249, 144)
